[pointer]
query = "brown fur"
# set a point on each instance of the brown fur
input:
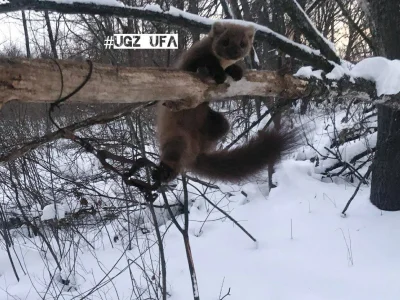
(247, 160)
(225, 45)
(188, 138)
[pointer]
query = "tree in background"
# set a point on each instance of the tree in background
(385, 188)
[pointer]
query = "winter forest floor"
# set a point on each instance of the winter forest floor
(305, 249)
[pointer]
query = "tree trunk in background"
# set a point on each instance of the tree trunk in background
(385, 186)
(180, 4)
(296, 64)
(235, 9)
(51, 37)
(386, 17)
(26, 33)
(278, 25)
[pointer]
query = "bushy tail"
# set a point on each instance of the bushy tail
(249, 159)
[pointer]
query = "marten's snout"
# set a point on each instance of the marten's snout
(234, 52)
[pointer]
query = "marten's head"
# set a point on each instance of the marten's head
(231, 41)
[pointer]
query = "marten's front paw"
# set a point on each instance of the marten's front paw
(235, 72)
(220, 77)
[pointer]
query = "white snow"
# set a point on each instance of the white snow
(338, 72)
(315, 264)
(52, 211)
(173, 11)
(348, 151)
(304, 250)
(308, 72)
(384, 72)
(256, 59)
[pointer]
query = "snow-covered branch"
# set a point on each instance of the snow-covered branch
(173, 16)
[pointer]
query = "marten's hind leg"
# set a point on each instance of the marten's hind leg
(171, 159)
(215, 126)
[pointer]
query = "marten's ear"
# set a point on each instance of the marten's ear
(250, 32)
(217, 28)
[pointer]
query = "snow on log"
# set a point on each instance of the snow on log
(53, 211)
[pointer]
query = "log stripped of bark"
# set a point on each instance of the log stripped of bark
(39, 80)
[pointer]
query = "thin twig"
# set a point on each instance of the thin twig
(356, 191)
(227, 215)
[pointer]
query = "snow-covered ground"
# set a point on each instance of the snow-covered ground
(305, 249)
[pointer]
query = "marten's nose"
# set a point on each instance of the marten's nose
(233, 52)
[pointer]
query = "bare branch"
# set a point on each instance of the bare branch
(357, 189)
(16, 152)
(173, 16)
(303, 23)
(355, 26)
(313, 6)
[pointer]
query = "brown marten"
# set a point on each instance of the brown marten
(188, 137)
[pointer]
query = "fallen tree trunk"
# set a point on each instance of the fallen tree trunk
(40, 80)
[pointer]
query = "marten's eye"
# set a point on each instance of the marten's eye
(242, 44)
(225, 42)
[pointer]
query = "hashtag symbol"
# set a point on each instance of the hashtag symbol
(109, 42)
